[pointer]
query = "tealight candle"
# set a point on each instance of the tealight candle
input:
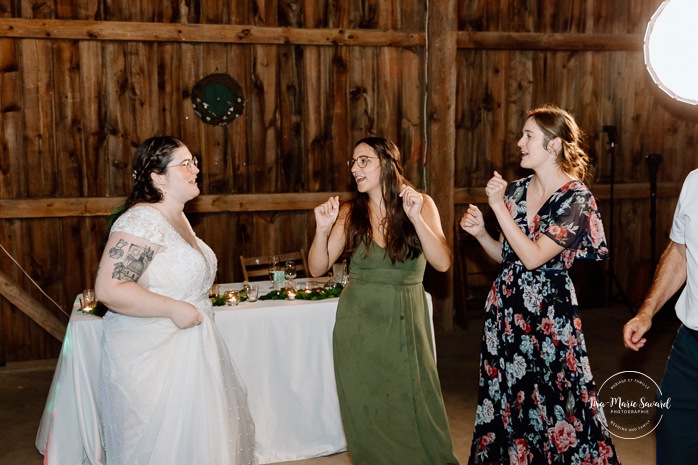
(232, 298)
(88, 301)
(291, 294)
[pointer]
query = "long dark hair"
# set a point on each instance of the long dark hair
(401, 238)
(152, 156)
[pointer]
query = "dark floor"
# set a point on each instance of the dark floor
(24, 386)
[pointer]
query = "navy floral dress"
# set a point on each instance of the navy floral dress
(537, 399)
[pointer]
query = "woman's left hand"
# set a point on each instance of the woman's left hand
(495, 189)
(411, 202)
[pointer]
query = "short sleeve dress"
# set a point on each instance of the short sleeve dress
(536, 397)
(169, 395)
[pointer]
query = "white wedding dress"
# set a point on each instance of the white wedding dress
(171, 396)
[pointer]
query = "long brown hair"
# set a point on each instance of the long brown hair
(401, 238)
(556, 122)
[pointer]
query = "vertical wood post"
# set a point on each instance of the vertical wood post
(441, 140)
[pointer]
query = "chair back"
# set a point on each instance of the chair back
(257, 268)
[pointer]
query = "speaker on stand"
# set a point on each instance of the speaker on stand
(653, 162)
(613, 283)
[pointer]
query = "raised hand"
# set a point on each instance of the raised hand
(326, 213)
(411, 202)
(473, 222)
(495, 189)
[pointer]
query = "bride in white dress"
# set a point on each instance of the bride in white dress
(169, 393)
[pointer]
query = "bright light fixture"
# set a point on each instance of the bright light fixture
(671, 49)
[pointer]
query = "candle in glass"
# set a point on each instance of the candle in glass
(232, 298)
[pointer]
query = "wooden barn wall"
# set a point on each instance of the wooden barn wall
(601, 87)
(73, 111)
(75, 102)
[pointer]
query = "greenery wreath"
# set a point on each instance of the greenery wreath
(217, 99)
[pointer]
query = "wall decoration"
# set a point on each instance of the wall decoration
(217, 99)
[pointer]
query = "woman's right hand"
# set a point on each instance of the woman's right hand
(473, 222)
(495, 189)
(185, 315)
(326, 213)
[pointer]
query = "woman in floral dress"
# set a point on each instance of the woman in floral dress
(537, 399)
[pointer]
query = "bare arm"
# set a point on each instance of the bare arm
(669, 277)
(124, 260)
(329, 241)
(424, 215)
(473, 223)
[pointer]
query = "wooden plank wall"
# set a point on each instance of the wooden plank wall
(83, 82)
(601, 78)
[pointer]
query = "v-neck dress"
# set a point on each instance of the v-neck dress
(536, 396)
(388, 387)
(169, 395)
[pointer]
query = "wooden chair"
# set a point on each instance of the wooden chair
(257, 268)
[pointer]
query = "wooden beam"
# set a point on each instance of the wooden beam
(244, 34)
(626, 191)
(31, 307)
(261, 202)
(549, 41)
(103, 206)
(440, 118)
(202, 33)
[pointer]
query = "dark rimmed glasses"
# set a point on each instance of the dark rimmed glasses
(362, 161)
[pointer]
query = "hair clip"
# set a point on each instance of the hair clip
(134, 174)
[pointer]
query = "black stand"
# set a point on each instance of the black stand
(612, 278)
(653, 162)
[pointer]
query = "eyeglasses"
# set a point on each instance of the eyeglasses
(189, 164)
(362, 161)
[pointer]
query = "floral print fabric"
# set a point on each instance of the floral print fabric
(537, 398)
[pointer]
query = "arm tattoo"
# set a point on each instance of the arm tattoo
(134, 264)
(117, 251)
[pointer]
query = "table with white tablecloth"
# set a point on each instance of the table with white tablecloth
(283, 352)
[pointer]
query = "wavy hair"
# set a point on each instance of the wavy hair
(556, 122)
(152, 156)
(401, 238)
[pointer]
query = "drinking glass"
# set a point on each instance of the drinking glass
(290, 269)
(252, 293)
(337, 272)
(273, 266)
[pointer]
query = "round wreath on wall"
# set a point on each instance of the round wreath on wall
(217, 99)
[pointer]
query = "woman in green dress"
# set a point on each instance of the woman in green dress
(387, 383)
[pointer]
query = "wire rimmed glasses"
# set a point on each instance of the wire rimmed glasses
(190, 164)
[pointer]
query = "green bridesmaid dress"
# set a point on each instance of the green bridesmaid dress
(387, 383)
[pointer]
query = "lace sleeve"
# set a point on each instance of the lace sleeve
(142, 222)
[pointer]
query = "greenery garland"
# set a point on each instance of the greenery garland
(319, 293)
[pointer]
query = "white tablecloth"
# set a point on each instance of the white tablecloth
(283, 351)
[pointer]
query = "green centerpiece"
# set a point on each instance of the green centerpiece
(318, 293)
